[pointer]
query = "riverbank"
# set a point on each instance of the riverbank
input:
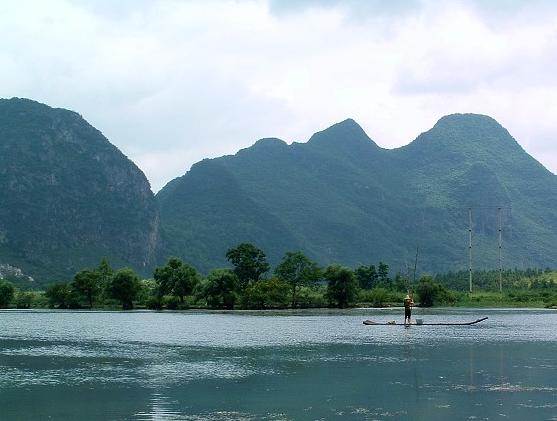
(297, 282)
(474, 303)
(537, 292)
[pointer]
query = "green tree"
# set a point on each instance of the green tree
(342, 287)
(249, 262)
(7, 291)
(221, 289)
(105, 272)
(297, 271)
(367, 276)
(383, 272)
(60, 295)
(87, 283)
(176, 278)
(124, 287)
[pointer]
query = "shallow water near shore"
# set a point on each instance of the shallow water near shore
(319, 364)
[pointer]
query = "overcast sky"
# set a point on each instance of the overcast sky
(173, 82)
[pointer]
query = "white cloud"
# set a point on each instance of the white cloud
(171, 82)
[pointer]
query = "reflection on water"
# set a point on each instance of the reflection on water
(276, 366)
(161, 408)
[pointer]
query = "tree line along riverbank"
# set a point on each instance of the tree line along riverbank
(296, 282)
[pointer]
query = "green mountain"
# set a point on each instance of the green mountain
(69, 197)
(341, 198)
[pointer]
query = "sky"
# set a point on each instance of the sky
(171, 82)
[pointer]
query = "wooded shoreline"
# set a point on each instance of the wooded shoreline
(295, 283)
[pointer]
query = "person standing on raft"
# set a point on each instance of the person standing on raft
(408, 303)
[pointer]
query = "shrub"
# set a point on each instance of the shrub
(23, 299)
(154, 302)
(171, 302)
(272, 293)
(311, 297)
(432, 293)
(378, 297)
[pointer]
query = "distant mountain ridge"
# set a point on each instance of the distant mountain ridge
(341, 198)
(70, 198)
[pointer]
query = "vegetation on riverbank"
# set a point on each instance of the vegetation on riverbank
(296, 282)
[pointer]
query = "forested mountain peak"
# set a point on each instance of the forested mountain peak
(22, 106)
(50, 128)
(69, 197)
(343, 135)
(470, 133)
(270, 142)
(265, 146)
(469, 121)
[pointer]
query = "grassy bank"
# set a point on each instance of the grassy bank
(316, 298)
(507, 299)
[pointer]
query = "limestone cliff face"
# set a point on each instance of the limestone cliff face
(68, 196)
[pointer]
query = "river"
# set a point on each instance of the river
(277, 365)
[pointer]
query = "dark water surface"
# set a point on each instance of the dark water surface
(277, 366)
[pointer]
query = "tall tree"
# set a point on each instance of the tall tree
(59, 295)
(7, 291)
(297, 270)
(105, 272)
(342, 287)
(383, 272)
(176, 278)
(221, 289)
(249, 262)
(87, 283)
(124, 287)
(401, 283)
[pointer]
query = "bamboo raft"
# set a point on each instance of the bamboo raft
(372, 323)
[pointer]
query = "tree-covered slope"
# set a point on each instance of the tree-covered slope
(470, 161)
(341, 198)
(69, 197)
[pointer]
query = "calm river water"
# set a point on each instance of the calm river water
(277, 366)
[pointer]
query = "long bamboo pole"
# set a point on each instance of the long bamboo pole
(470, 246)
(500, 248)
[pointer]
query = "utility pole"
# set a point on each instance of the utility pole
(500, 247)
(415, 265)
(470, 246)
